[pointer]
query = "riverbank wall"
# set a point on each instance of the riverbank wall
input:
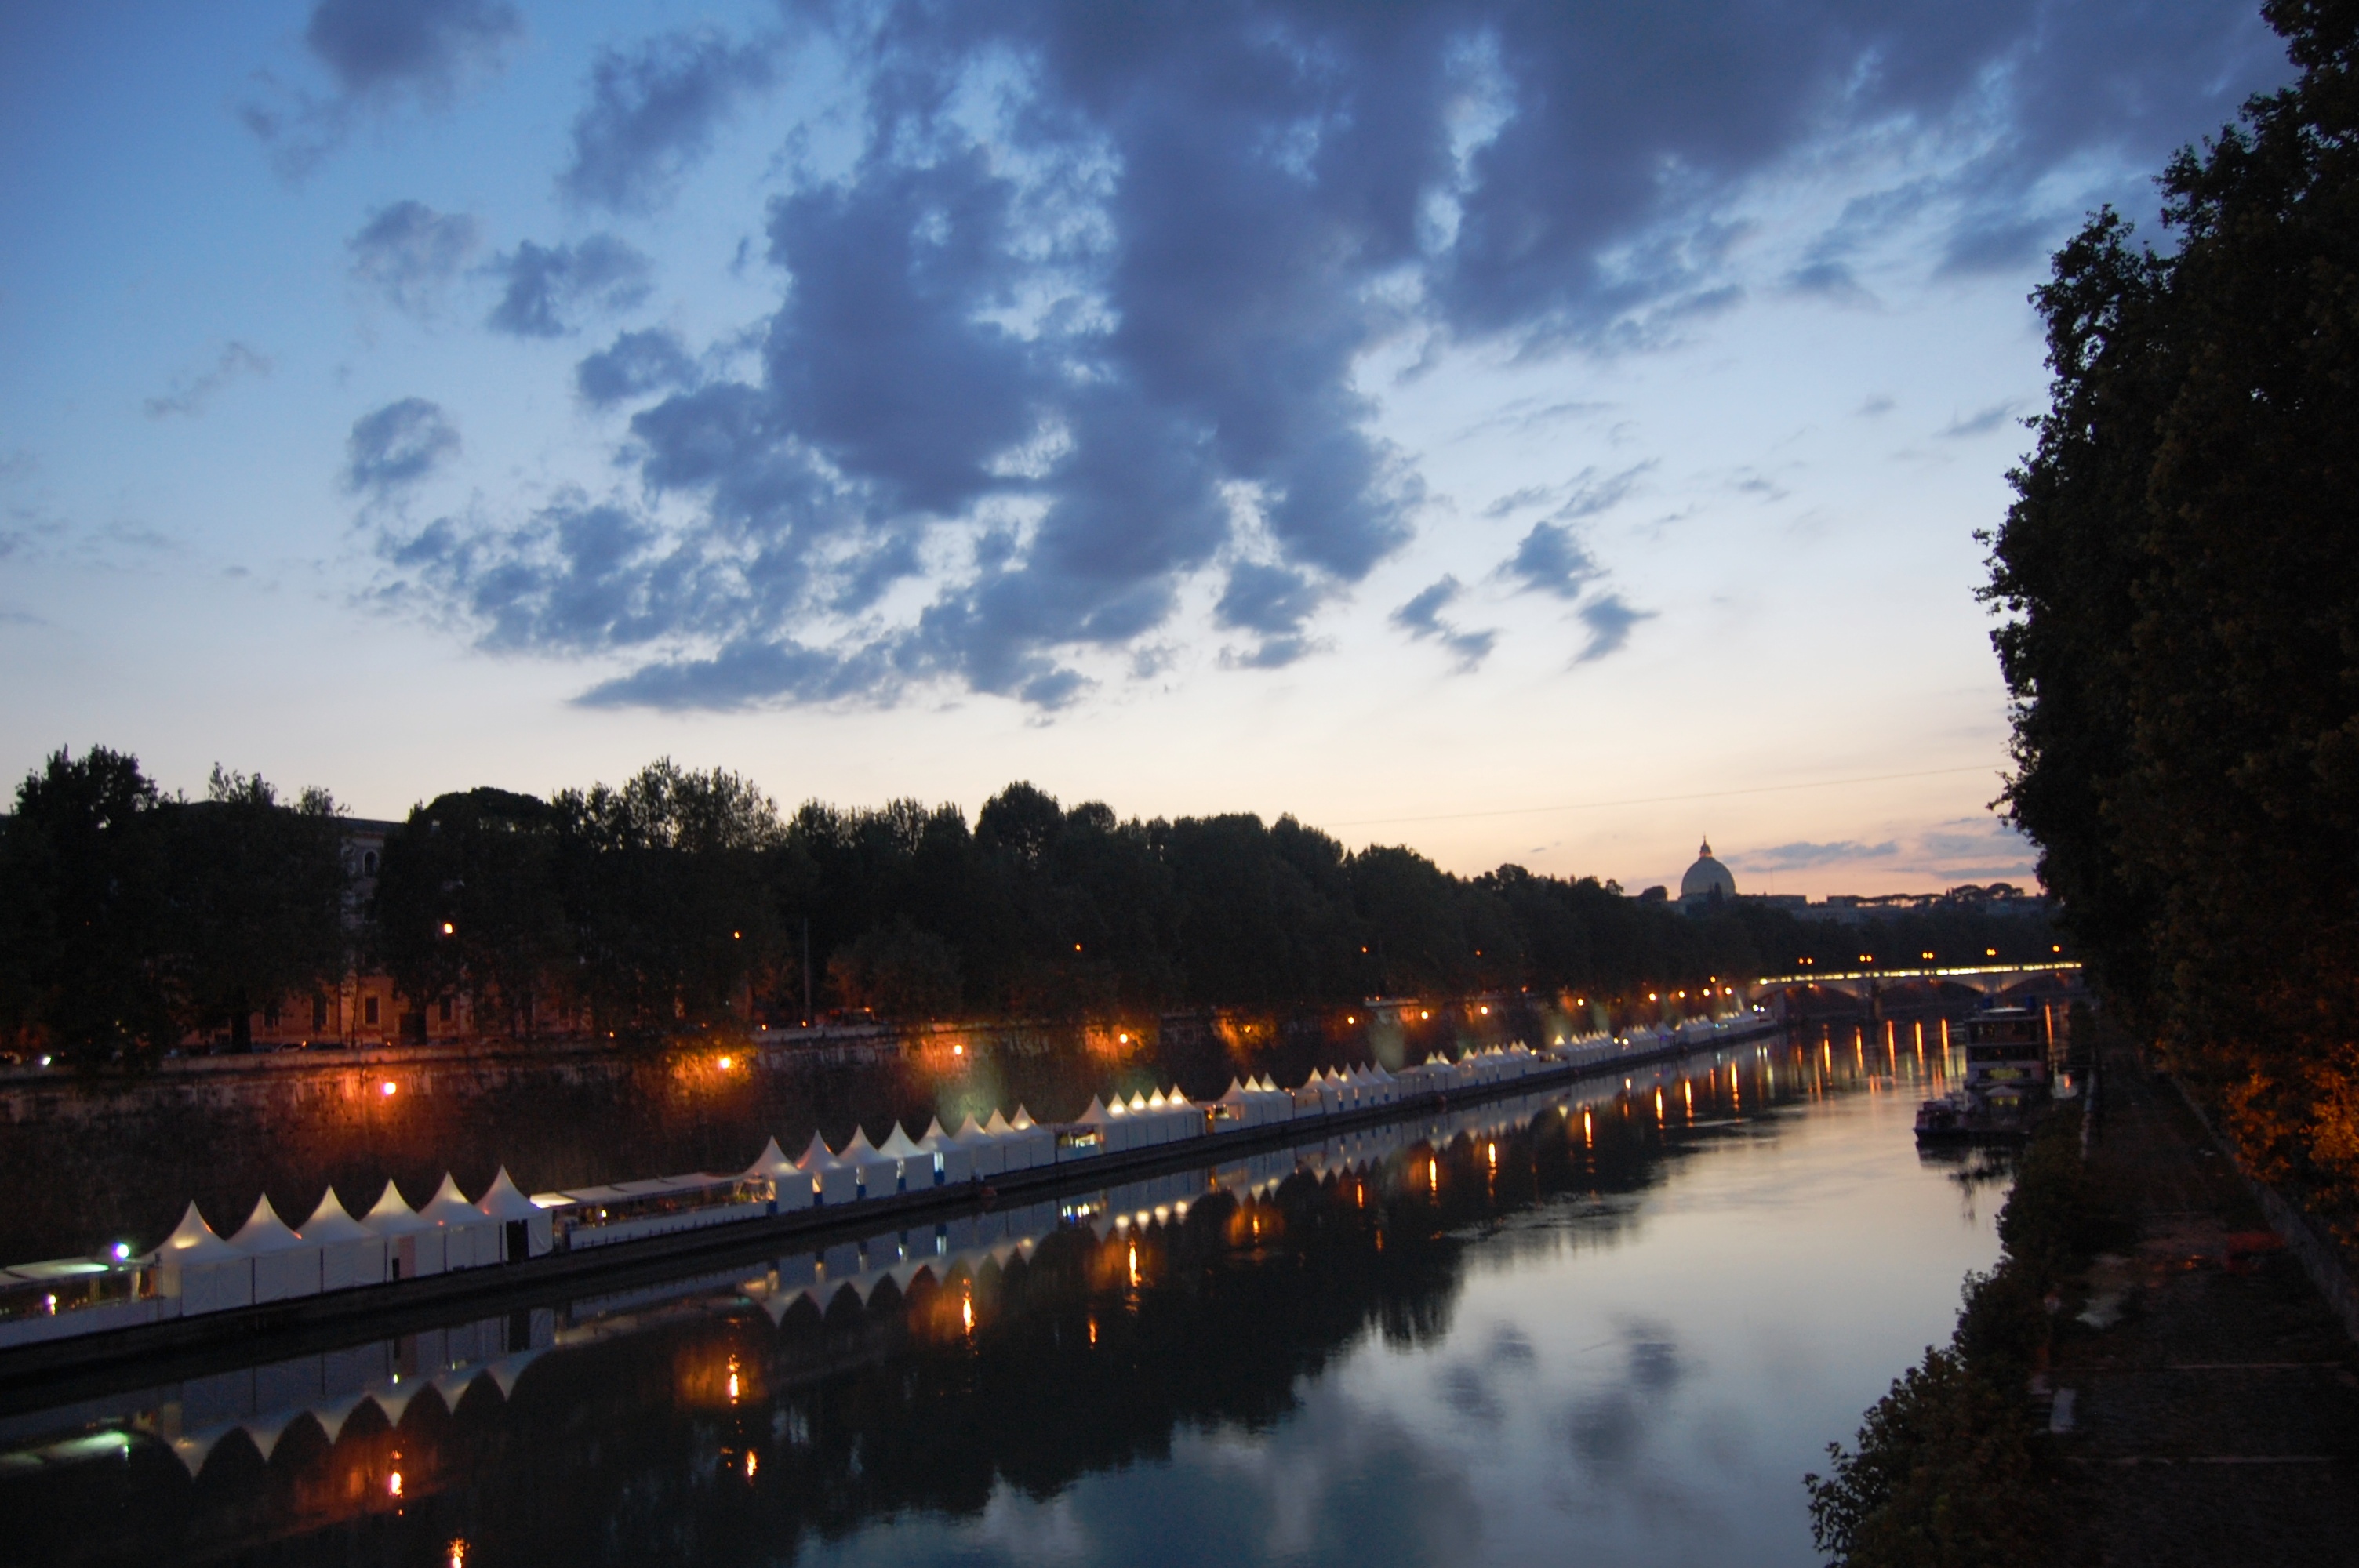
(91, 1162)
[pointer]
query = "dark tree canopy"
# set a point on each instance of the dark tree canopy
(2181, 572)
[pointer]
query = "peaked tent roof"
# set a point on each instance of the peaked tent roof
(771, 1162)
(936, 1137)
(1097, 1116)
(973, 1131)
(330, 1222)
(1137, 1102)
(501, 1200)
(1023, 1122)
(858, 1146)
(264, 1231)
(449, 1205)
(899, 1145)
(1000, 1126)
(817, 1156)
(392, 1215)
(193, 1241)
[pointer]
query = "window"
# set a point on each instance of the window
(446, 1010)
(368, 864)
(369, 1011)
(319, 1012)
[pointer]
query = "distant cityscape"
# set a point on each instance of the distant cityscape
(1709, 885)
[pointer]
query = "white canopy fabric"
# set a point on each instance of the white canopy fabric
(898, 1144)
(413, 1247)
(393, 1216)
(503, 1201)
(999, 1126)
(350, 1252)
(770, 1163)
(832, 1179)
(193, 1241)
(285, 1267)
(1023, 1122)
(989, 1156)
(507, 1207)
(264, 1231)
(469, 1237)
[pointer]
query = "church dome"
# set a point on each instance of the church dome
(1706, 877)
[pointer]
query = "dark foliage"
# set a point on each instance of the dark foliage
(2183, 595)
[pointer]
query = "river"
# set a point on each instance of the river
(1602, 1324)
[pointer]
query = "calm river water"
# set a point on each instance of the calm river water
(1609, 1326)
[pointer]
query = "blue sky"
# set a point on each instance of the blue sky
(1543, 433)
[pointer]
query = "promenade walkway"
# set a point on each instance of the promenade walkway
(2208, 1400)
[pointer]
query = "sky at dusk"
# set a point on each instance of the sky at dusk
(1543, 433)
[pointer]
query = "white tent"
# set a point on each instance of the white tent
(350, 1252)
(1039, 1140)
(524, 1223)
(284, 1267)
(1187, 1118)
(878, 1175)
(413, 1247)
(791, 1189)
(204, 1272)
(987, 1156)
(469, 1237)
(913, 1167)
(1015, 1152)
(953, 1163)
(1112, 1128)
(831, 1179)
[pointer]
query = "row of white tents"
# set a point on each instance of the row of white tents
(196, 1270)
(268, 1261)
(265, 1401)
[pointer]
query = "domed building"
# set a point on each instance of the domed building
(1707, 881)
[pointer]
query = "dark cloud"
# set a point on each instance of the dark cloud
(632, 366)
(407, 251)
(395, 446)
(652, 114)
(1610, 619)
(374, 47)
(1980, 423)
(1553, 560)
(191, 394)
(1831, 280)
(547, 284)
(1802, 853)
(1080, 314)
(376, 52)
(1273, 601)
(1421, 617)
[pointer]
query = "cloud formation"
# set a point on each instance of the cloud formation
(634, 365)
(377, 53)
(189, 395)
(1421, 617)
(406, 252)
(549, 286)
(652, 114)
(1610, 619)
(1078, 317)
(393, 446)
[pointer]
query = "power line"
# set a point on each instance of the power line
(1658, 799)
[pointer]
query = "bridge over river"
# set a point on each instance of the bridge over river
(1868, 981)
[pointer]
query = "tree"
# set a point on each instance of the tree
(2183, 646)
(469, 901)
(82, 914)
(255, 900)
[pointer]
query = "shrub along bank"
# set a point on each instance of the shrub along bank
(1948, 1470)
